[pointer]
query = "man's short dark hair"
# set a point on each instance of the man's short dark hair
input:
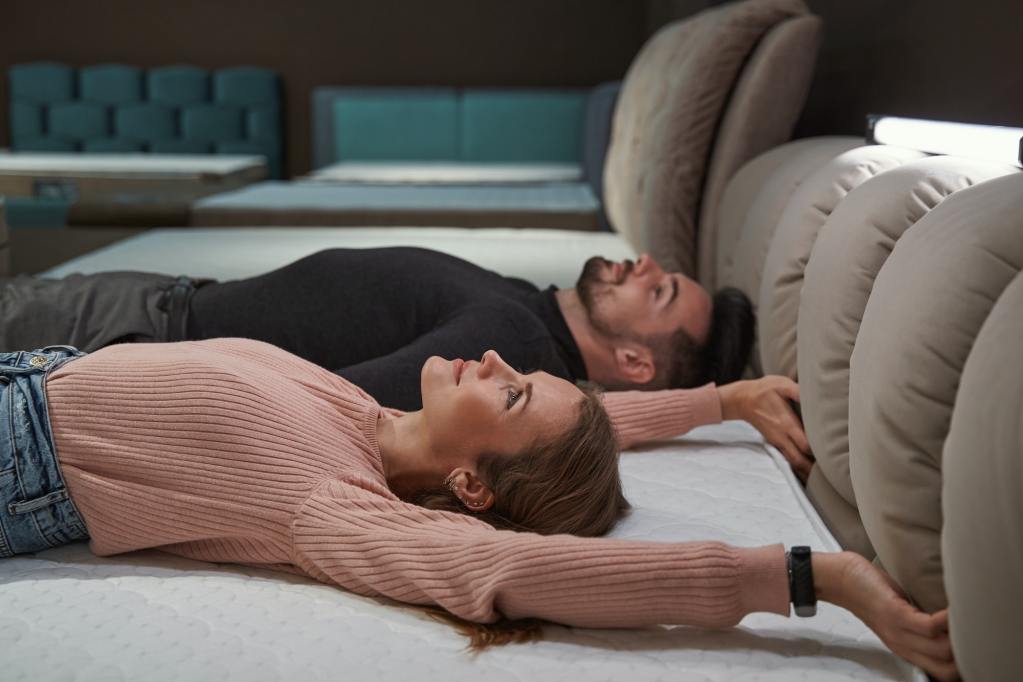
(683, 363)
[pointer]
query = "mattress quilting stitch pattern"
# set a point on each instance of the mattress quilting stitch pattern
(65, 614)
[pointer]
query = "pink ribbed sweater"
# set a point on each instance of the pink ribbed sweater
(236, 451)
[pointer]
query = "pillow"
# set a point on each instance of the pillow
(982, 500)
(806, 212)
(849, 251)
(668, 110)
(926, 307)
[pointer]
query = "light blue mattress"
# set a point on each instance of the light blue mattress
(568, 205)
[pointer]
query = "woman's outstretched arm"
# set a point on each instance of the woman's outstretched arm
(349, 535)
(371, 545)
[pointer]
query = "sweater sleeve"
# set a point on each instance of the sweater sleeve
(371, 545)
(642, 416)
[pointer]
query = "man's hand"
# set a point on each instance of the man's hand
(764, 404)
(852, 582)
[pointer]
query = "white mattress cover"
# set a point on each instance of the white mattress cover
(67, 615)
(275, 195)
(440, 172)
(144, 165)
(542, 257)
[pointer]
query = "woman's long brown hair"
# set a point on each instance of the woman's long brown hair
(568, 485)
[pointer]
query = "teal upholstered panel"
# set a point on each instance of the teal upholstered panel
(178, 85)
(78, 120)
(112, 145)
(263, 123)
(168, 110)
(474, 125)
(42, 82)
(396, 125)
(180, 146)
(111, 84)
(522, 125)
(212, 122)
(145, 122)
(47, 143)
(26, 120)
(245, 86)
(37, 212)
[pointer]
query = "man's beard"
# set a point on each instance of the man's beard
(591, 287)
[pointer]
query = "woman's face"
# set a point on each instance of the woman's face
(487, 407)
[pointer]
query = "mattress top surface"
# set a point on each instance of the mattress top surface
(439, 172)
(289, 196)
(543, 257)
(148, 616)
(22, 163)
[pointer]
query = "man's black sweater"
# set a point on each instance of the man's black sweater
(375, 315)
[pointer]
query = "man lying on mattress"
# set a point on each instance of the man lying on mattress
(375, 315)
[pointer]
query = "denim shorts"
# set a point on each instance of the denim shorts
(36, 511)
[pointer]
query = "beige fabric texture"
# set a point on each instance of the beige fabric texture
(842, 519)
(849, 251)
(751, 206)
(667, 113)
(982, 500)
(928, 303)
(760, 114)
(806, 212)
(754, 200)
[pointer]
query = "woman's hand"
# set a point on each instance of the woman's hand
(764, 404)
(852, 582)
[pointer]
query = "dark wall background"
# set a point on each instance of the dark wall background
(336, 42)
(953, 59)
(956, 60)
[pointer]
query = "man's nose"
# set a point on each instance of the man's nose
(645, 265)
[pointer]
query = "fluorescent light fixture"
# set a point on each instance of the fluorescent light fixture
(992, 143)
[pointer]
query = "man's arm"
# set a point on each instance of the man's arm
(643, 416)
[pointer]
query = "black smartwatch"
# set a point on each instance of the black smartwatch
(801, 590)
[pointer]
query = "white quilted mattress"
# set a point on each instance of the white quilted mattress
(66, 615)
(543, 257)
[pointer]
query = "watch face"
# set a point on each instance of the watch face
(806, 610)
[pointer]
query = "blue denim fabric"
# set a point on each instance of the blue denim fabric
(36, 511)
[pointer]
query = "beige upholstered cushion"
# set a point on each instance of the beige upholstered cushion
(842, 519)
(752, 204)
(669, 107)
(760, 114)
(982, 500)
(806, 212)
(927, 305)
(850, 249)
(754, 200)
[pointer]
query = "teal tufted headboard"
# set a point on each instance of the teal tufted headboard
(166, 110)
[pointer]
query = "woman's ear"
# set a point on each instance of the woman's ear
(468, 488)
(634, 363)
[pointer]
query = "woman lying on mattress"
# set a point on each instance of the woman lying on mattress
(235, 451)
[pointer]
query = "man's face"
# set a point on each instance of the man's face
(638, 299)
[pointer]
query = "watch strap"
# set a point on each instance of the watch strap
(802, 592)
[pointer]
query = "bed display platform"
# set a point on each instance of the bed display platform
(446, 173)
(543, 257)
(126, 188)
(569, 206)
(148, 616)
